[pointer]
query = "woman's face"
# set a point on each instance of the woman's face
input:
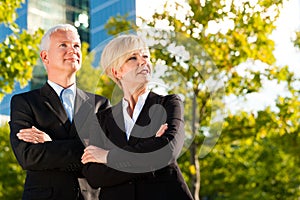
(136, 69)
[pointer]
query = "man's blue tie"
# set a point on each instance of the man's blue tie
(67, 97)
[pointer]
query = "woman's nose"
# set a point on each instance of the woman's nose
(143, 60)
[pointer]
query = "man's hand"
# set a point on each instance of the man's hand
(33, 135)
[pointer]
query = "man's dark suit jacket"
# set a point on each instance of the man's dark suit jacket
(52, 167)
(144, 167)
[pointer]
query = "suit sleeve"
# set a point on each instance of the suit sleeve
(62, 154)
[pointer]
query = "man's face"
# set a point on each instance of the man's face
(64, 54)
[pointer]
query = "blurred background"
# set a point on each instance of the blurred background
(236, 64)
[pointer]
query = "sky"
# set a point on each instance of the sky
(285, 54)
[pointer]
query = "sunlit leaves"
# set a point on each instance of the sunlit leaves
(18, 56)
(18, 52)
(256, 156)
(296, 40)
(7, 10)
(119, 24)
(11, 174)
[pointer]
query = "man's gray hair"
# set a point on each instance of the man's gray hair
(45, 42)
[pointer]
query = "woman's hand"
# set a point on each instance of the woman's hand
(33, 135)
(94, 154)
(161, 130)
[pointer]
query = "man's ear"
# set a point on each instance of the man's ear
(44, 56)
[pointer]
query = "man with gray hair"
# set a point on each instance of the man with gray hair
(48, 125)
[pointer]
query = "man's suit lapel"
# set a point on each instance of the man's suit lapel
(82, 108)
(83, 112)
(54, 104)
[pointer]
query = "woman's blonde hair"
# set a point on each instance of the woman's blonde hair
(116, 52)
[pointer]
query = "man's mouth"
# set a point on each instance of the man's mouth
(73, 60)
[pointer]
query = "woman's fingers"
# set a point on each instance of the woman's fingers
(161, 130)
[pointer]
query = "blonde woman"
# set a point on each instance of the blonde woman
(141, 137)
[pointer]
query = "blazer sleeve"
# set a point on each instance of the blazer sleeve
(154, 152)
(101, 175)
(57, 154)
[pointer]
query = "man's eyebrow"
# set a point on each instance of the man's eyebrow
(68, 41)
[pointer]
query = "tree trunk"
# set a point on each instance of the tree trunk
(194, 156)
(198, 178)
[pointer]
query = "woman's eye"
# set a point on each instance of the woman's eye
(132, 58)
(77, 46)
(145, 56)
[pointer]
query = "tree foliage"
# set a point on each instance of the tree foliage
(92, 79)
(11, 174)
(18, 51)
(296, 40)
(255, 157)
(8, 9)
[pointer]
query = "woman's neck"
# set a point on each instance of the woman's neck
(132, 96)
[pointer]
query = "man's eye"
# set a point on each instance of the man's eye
(77, 46)
(145, 56)
(63, 45)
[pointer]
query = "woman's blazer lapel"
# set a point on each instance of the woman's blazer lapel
(115, 126)
(151, 117)
(149, 120)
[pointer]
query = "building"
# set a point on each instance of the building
(89, 16)
(100, 12)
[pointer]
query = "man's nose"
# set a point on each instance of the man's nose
(72, 50)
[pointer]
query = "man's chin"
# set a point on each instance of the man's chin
(75, 66)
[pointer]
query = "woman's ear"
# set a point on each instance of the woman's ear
(115, 73)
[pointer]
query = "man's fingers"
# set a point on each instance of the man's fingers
(37, 130)
(30, 136)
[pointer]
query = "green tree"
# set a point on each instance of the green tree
(296, 40)
(18, 51)
(92, 79)
(243, 164)
(87, 76)
(11, 174)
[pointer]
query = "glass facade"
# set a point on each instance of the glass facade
(101, 11)
(41, 13)
(77, 13)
